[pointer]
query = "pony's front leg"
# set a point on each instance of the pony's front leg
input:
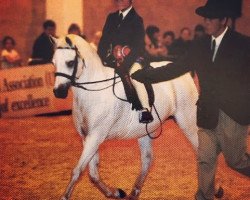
(91, 145)
(146, 161)
(95, 179)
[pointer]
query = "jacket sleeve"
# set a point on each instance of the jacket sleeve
(104, 41)
(184, 64)
(247, 75)
(137, 43)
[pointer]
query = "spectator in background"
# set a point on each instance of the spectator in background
(199, 32)
(43, 48)
(75, 29)
(9, 56)
(168, 39)
(155, 50)
(96, 38)
(181, 45)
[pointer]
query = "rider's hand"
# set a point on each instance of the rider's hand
(110, 61)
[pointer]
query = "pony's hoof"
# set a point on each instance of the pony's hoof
(219, 193)
(122, 194)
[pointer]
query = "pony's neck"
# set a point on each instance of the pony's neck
(94, 69)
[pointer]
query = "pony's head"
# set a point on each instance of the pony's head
(69, 64)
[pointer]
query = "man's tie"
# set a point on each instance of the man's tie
(213, 49)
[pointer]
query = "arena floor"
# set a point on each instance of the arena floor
(37, 155)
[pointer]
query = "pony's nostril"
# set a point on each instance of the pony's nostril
(61, 91)
(55, 92)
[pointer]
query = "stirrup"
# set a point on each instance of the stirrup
(145, 116)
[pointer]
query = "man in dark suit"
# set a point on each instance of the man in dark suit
(123, 37)
(43, 48)
(222, 63)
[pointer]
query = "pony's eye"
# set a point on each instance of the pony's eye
(70, 63)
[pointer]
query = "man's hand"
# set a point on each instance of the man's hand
(141, 76)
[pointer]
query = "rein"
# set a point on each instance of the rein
(80, 85)
(149, 133)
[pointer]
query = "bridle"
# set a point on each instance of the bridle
(73, 77)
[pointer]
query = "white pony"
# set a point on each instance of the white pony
(100, 115)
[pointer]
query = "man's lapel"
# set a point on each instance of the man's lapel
(129, 16)
(207, 51)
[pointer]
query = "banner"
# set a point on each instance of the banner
(27, 91)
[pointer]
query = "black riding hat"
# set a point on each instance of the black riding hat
(219, 9)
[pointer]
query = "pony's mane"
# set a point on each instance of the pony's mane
(86, 51)
(82, 45)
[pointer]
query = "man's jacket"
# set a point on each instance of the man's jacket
(224, 83)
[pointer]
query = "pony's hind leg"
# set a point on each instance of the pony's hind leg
(146, 161)
(91, 145)
(95, 179)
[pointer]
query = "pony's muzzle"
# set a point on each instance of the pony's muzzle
(62, 91)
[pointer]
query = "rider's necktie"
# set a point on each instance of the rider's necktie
(213, 49)
(120, 19)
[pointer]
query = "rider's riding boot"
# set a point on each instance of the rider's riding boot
(145, 116)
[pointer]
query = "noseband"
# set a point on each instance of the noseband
(75, 62)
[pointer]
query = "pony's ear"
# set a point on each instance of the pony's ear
(53, 40)
(68, 40)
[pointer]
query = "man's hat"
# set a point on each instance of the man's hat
(219, 9)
